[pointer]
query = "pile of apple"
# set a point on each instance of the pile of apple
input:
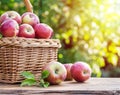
(58, 72)
(27, 25)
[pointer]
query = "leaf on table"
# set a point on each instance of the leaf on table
(30, 79)
(28, 82)
(44, 83)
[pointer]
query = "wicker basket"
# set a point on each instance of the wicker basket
(23, 54)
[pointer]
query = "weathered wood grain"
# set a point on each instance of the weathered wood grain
(94, 86)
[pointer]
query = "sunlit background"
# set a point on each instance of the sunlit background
(89, 30)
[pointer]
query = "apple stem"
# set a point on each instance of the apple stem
(28, 5)
(56, 71)
(85, 72)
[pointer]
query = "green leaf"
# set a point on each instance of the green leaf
(28, 75)
(30, 79)
(28, 82)
(45, 74)
(44, 83)
(1, 36)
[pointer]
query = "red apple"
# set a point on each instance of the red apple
(30, 18)
(9, 28)
(26, 31)
(43, 31)
(57, 72)
(80, 71)
(68, 68)
(12, 15)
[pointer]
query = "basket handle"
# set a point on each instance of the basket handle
(28, 5)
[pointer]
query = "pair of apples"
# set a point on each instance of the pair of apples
(27, 25)
(58, 72)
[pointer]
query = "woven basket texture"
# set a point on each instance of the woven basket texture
(23, 54)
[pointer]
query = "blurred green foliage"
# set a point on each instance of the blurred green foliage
(88, 29)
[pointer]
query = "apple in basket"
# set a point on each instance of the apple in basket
(27, 31)
(12, 15)
(57, 72)
(30, 18)
(43, 30)
(9, 28)
(80, 71)
(68, 68)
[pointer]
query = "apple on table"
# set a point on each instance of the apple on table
(57, 72)
(68, 68)
(81, 71)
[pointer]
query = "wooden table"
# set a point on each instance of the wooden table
(93, 86)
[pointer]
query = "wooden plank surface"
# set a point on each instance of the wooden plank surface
(94, 86)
